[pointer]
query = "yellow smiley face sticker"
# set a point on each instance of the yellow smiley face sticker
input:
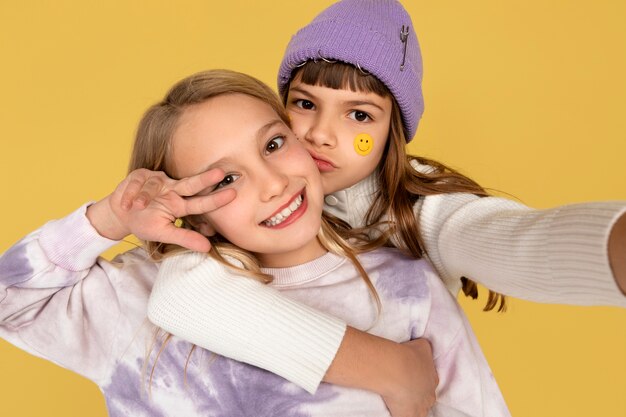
(363, 144)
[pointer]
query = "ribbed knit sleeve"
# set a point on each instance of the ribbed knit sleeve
(557, 255)
(200, 300)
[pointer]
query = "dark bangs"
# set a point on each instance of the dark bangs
(339, 75)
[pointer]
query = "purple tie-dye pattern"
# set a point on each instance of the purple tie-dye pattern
(399, 278)
(102, 309)
(215, 386)
(124, 396)
(244, 390)
(14, 266)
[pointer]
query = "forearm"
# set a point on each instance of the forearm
(56, 255)
(556, 255)
(367, 362)
(203, 302)
(403, 375)
(617, 252)
(57, 301)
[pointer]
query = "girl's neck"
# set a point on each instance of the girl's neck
(304, 254)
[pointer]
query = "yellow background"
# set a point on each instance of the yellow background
(526, 97)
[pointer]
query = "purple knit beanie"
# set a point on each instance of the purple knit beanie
(372, 35)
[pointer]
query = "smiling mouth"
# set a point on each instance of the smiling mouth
(285, 213)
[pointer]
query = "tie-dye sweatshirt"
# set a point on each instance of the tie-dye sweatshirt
(59, 301)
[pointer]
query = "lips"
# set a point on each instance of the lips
(288, 213)
(323, 164)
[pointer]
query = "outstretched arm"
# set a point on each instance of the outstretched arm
(572, 254)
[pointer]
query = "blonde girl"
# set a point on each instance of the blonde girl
(61, 302)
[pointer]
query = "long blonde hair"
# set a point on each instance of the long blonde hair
(400, 184)
(152, 148)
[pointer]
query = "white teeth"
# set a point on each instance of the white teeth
(284, 213)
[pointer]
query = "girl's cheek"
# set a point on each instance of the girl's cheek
(298, 124)
(299, 159)
(297, 150)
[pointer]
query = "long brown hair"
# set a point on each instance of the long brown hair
(400, 184)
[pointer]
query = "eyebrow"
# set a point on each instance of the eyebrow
(363, 103)
(347, 103)
(299, 90)
(260, 134)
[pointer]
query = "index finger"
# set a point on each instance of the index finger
(190, 186)
(206, 203)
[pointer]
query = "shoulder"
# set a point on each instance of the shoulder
(392, 258)
(138, 254)
(132, 272)
(393, 271)
(137, 258)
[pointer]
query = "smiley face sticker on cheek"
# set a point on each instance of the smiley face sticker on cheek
(363, 144)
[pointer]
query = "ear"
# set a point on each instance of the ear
(201, 225)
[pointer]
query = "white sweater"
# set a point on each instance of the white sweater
(557, 255)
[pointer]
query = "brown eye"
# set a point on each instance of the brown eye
(359, 116)
(227, 180)
(274, 144)
(305, 104)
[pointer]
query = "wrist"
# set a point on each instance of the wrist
(391, 369)
(106, 223)
(367, 362)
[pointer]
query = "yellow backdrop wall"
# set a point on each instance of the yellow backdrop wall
(525, 97)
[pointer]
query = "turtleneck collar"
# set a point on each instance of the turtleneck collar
(351, 204)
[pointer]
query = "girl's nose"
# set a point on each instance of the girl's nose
(321, 134)
(272, 182)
